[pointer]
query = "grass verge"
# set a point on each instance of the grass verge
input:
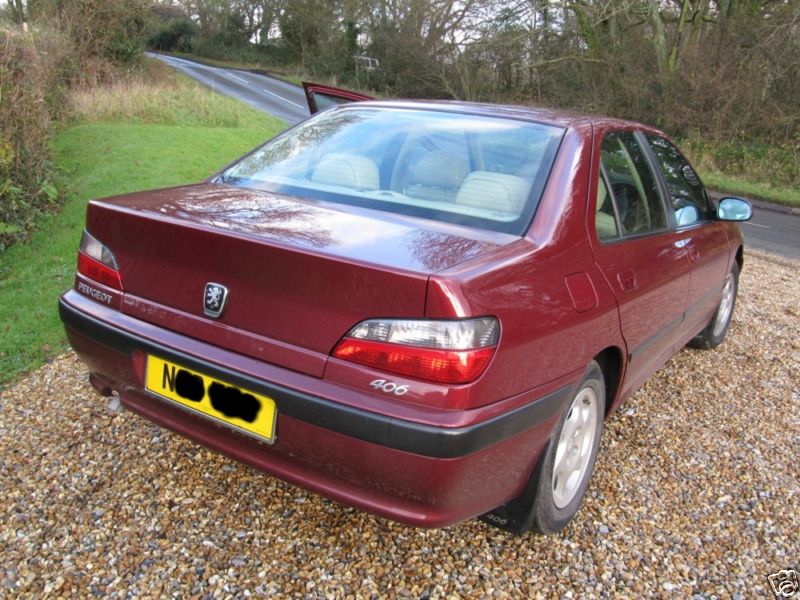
(184, 103)
(788, 196)
(128, 150)
(754, 168)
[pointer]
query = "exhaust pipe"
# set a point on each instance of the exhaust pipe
(103, 387)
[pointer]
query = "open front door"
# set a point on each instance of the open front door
(320, 97)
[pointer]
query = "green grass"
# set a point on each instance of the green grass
(755, 168)
(98, 159)
(789, 196)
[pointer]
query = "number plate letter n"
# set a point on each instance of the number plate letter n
(168, 378)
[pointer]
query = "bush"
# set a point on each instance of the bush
(174, 36)
(229, 48)
(78, 43)
(102, 32)
(33, 67)
(752, 159)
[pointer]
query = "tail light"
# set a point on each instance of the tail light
(97, 262)
(453, 351)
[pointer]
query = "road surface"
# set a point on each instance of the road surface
(769, 231)
(773, 232)
(268, 94)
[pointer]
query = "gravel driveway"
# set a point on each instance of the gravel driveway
(697, 492)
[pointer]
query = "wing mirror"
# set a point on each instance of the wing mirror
(734, 209)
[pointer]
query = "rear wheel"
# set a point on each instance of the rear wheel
(568, 462)
(716, 330)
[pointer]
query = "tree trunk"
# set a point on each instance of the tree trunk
(17, 11)
(674, 54)
(659, 34)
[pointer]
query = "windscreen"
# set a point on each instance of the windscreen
(459, 168)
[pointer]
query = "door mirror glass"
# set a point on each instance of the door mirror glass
(734, 209)
(686, 216)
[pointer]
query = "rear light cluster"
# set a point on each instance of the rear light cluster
(453, 351)
(96, 262)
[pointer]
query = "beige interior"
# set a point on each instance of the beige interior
(347, 170)
(494, 191)
(437, 176)
(605, 224)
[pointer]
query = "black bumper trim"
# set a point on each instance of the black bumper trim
(417, 438)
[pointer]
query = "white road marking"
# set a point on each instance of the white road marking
(282, 98)
(237, 78)
(757, 225)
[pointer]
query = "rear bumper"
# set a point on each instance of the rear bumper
(429, 469)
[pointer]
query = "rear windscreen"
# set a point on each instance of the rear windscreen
(473, 170)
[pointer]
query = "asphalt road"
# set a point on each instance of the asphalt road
(268, 94)
(772, 231)
(769, 230)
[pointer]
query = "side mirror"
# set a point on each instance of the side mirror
(734, 209)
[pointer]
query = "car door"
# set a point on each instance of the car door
(703, 237)
(320, 97)
(638, 251)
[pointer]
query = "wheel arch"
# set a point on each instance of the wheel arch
(610, 360)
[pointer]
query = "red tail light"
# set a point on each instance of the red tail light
(96, 262)
(442, 351)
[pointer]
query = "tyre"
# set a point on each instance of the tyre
(716, 330)
(568, 462)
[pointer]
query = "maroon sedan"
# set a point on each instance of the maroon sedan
(425, 310)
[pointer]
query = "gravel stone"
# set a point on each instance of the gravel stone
(697, 489)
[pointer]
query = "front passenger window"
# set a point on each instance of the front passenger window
(686, 192)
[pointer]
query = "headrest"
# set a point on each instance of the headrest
(440, 169)
(347, 170)
(494, 191)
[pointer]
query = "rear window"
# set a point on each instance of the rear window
(472, 170)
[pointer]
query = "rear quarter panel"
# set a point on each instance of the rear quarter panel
(545, 338)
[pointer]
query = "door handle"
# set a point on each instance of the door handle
(691, 250)
(627, 280)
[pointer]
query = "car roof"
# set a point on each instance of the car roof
(562, 118)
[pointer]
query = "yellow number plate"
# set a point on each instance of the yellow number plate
(241, 409)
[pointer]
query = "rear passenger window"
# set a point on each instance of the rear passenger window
(686, 192)
(634, 190)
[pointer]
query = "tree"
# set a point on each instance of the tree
(16, 10)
